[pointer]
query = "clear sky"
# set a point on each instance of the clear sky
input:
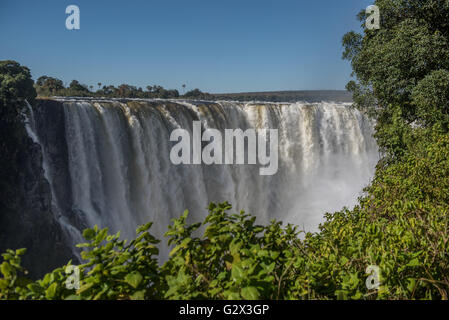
(217, 46)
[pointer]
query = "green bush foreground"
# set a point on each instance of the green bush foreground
(400, 225)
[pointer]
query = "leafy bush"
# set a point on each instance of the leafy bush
(431, 98)
(234, 259)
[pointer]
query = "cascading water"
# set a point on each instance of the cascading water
(116, 171)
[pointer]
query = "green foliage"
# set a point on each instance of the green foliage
(113, 270)
(401, 69)
(76, 86)
(431, 99)
(394, 134)
(12, 283)
(196, 94)
(49, 86)
(16, 86)
(234, 259)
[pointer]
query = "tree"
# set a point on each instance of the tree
(127, 91)
(398, 66)
(195, 93)
(109, 91)
(49, 85)
(76, 86)
(15, 83)
(16, 86)
(431, 98)
(173, 93)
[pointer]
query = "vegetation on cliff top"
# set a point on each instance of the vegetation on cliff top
(15, 86)
(50, 86)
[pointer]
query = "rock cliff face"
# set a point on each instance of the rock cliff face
(29, 220)
(48, 125)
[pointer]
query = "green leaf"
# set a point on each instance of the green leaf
(357, 296)
(101, 236)
(413, 263)
(89, 234)
(341, 294)
(51, 291)
(20, 252)
(237, 273)
(138, 295)
(230, 295)
(6, 269)
(411, 285)
(134, 279)
(250, 293)
(35, 288)
(85, 287)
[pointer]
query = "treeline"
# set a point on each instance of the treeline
(48, 86)
(289, 96)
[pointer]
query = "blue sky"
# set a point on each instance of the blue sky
(217, 46)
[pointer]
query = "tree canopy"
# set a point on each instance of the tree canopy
(16, 86)
(401, 70)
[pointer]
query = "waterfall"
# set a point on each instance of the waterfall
(116, 161)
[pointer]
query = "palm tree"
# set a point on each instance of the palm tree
(184, 88)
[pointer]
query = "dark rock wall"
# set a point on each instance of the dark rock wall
(29, 220)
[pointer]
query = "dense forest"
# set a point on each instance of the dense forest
(400, 224)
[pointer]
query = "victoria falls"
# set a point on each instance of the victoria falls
(224, 150)
(107, 162)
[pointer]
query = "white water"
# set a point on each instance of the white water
(121, 174)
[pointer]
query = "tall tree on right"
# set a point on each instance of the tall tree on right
(402, 69)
